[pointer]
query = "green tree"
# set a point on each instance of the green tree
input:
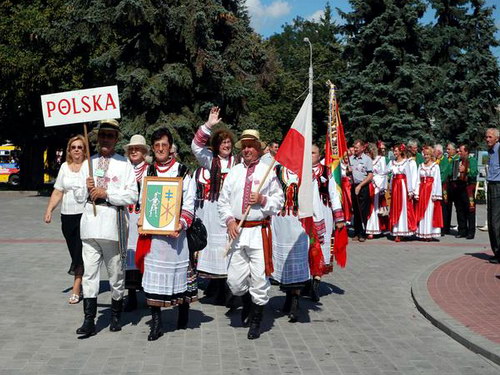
(465, 75)
(275, 104)
(384, 89)
(32, 65)
(172, 60)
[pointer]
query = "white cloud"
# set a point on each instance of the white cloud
(261, 14)
(316, 15)
(276, 9)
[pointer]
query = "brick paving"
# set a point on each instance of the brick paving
(366, 323)
(468, 289)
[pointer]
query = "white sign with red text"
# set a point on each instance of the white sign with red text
(72, 107)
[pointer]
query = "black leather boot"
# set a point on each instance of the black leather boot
(294, 309)
(116, 313)
(246, 300)
(231, 300)
(220, 294)
(155, 332)
(211, 288)
(131, 304)
(288, 303)
(90, 311)
(315, 290)
(183, 316)
(255, 319)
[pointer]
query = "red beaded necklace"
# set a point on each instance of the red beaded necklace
(167, 165)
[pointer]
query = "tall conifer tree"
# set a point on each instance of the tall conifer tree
(464, 79)
(384, 83)
(172, 60)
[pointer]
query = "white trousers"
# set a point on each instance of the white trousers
(94, 252)
(246, 273)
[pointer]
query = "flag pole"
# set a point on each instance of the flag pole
(88, 159)
(337, 116)
(247, 211)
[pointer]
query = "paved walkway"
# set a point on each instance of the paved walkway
(461, 297)
(367, 322)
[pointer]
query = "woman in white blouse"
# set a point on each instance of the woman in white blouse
(68, 179)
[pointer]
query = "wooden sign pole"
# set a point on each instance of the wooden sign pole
(88, 159)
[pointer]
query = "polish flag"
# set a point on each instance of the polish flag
(295, 154)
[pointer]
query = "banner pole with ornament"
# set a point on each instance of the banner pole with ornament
(335, 151)
(81, 106)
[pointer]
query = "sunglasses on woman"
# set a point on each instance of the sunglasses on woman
(77, 147)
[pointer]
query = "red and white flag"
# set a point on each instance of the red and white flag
(295, 154)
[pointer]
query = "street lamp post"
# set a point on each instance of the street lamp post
(310, 65)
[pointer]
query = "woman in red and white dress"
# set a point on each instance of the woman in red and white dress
(377, 190)
(429, 195)
(402, 217)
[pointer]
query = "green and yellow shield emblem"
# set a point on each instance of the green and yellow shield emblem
(160, 205)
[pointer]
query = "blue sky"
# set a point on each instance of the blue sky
(267, 16)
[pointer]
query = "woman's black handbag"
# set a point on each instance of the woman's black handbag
(196, 236)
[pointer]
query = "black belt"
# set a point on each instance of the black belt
(493, 182)
(100, 202)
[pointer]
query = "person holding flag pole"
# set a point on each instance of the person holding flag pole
(329, 182)
(249, 197)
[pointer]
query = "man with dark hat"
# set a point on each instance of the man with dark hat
(104, 231)
(250, 257)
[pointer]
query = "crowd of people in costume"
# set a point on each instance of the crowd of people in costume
(240, 198)
(410, 194)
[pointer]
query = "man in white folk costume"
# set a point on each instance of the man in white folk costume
(104, 235)
(209, 178)
(250, 256)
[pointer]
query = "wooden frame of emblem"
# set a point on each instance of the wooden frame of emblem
(147, 225)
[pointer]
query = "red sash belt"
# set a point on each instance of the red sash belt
(397, 202)
(142, 249)
(346, 198)
(424, 196)
(267, 241)
(371, 190)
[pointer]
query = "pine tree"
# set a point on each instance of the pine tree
(445, 44)
(464, 80)
(383, 92)
(32, 64)
(276, 104)
(481, 82)
(172, 60)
